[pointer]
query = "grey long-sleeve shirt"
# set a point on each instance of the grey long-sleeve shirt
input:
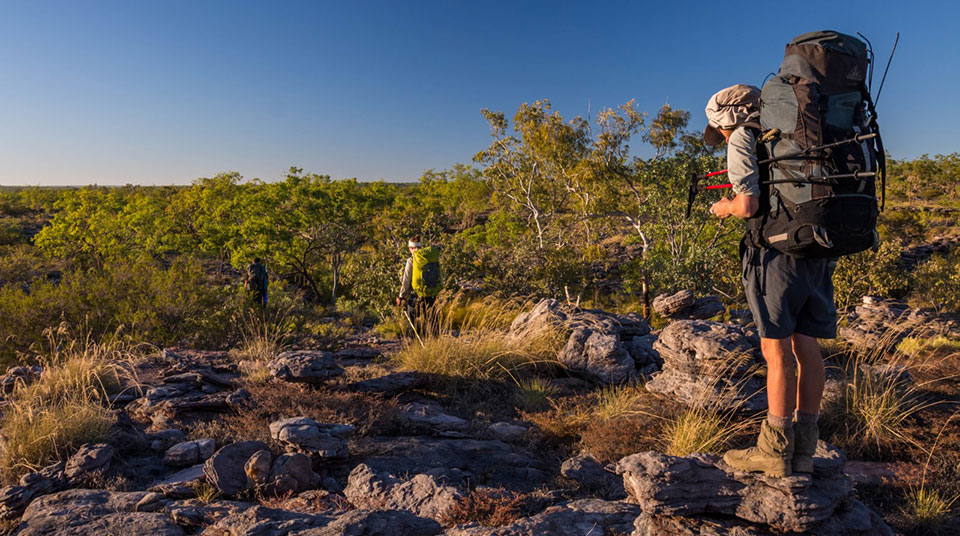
(406, 280)
(742, 168)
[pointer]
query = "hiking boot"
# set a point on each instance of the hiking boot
(806, 435)
(772, 455)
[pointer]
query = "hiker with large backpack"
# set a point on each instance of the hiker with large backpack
(420, 283)
(805, 205)
(257, 281)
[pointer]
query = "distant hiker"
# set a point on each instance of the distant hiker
(421, 280)
(791, 300)
(257, 281)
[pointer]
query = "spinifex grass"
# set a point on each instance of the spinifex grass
(480, 348)
(700, 429)
(877, 402)
(264, 333)
(67, 406)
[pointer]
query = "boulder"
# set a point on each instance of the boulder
(709, 364)
(189, 453)
(13, 500)
(257, 468)
(293, 473)
(702, 488)
(425, 495)
(599, 345)
(225, 469)
(668, 305)
(81, 512)
(481, 462)
(304, 366)
(18, 375)
(180, 484)
(89, 458)
(684, 306)
(305, 435)
(593, 476)
(576, 518)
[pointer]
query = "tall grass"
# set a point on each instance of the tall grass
(470, 340)
(264, 333)
(871, 416)
(67, 406)
(928, 508)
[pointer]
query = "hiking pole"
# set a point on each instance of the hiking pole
(695, 178)
(410, 322)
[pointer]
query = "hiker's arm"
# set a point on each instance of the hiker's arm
(742, 206)
(744, 174)
(406, 281)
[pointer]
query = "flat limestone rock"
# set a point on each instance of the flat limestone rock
(304, 366)
(702, 485)
(481, 462)
(261, 521)
(376, 523)
(82, 512)
(592, 475)
(391, 384)
(576, 518)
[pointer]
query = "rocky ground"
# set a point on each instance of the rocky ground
(323, 443)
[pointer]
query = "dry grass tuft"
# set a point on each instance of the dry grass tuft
(67, 406)
(872, 415)
(471, 341)
(264, 333)
(700, 429)
(487, 507)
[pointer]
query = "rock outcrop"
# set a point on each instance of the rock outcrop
(879, 325)
(425, 495)
(189, 453)
(684, 306)
(479, 462)
(593, 476)
(89, 458)
(575, 518)
(307, 436)
(602, 347)
(678, 494)
(225, 469)
(304, 366)
(82, 512)
(709, 364)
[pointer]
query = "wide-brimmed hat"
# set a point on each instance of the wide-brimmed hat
(730, 108)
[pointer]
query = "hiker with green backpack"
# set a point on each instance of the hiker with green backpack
(801, 213)
(421, 281)
(257, 281)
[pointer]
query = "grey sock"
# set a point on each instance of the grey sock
(807, 418)
(779, 422)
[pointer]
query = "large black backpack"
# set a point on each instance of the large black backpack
(823, 204)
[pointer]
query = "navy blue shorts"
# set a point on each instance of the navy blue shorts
(788, 295)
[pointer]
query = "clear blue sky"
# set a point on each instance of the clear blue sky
(157, 92)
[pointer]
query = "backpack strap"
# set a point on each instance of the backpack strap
(754, 234)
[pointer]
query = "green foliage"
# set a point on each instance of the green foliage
(937, 282)
(152, 304)
(874, 273)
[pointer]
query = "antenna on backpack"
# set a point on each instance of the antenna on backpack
(872, 61)
(884, 79)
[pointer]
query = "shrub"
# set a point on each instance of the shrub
(870, 273)
(486, 507)
(937, 282)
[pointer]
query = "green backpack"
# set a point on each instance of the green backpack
(426, 280)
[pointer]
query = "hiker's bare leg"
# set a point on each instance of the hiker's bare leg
(811, 376)
(781, 378)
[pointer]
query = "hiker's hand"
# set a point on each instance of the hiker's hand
(398, 300)
(721, 208)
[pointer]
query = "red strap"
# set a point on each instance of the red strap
(717, 186)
